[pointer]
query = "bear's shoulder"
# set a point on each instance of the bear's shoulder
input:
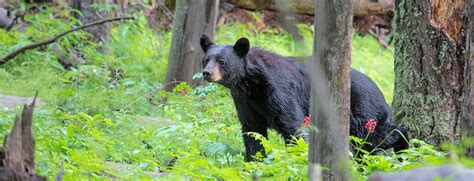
(264, 59)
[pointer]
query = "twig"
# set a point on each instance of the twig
(51, 40)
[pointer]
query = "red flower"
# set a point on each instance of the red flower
(306, 121)
(370, 125)
(82, 73)
(184, 91)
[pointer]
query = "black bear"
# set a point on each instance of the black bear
(271, 91)
(368, 103)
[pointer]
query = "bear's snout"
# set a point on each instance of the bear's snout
(212, 72)
(207, 75)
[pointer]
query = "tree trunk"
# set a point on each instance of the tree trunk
(330, 78)
(191, 19)
(89, 14)
(361, 7)
(468, 97)
(429, 68)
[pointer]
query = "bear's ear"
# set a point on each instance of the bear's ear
(206, 43)
(242, 47)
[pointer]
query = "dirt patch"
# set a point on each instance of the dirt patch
(12, 102)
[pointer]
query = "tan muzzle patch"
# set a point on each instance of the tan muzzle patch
(216, 74)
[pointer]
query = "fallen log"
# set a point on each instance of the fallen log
(362, 8)
(17, 157)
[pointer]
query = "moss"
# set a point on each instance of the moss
(442, 56)
(423, 97)
(401, 11)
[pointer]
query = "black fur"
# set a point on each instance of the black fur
(271, 91)
(367, 102)
(242, 47)
(206, 43)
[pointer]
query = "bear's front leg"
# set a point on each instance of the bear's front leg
(251, 121)
(252, 145)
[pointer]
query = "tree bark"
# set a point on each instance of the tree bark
(89, 14)
(429, 68)
(361, 7)
(191, 19)
(330, 78)
(17, 157)
(468, 97)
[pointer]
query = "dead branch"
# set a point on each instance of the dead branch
(51, 40)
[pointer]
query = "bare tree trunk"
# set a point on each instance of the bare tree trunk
(329, 145)
(191, 19)
(89, 14)
(468, 97)
(429, 65)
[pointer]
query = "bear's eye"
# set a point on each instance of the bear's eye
(220, 60)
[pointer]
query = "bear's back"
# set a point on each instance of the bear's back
(267, 61)
(282, 78)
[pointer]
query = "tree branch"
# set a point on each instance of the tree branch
(51, 40)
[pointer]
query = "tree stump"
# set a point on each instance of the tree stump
(17, 157)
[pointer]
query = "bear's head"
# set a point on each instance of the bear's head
(224, 64)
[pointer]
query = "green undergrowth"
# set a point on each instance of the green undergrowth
(110, 118)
